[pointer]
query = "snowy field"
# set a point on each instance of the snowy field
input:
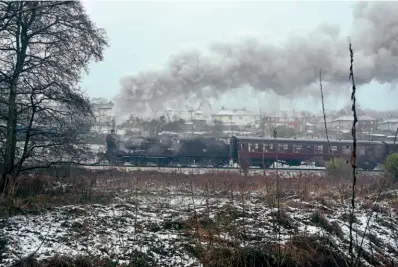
(168, 219)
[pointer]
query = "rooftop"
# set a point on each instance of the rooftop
(351, 118)
(390, 121)
(233, 112)
(110, 104)
(271, 139)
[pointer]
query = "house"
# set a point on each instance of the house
(389, 125)
(186, 115)
(104, 115)
(309, 127)
(277, 119)
(282, 118)
(365, 123)
(238, 117)
(320, 124)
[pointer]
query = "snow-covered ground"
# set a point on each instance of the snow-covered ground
(162, 224)
(203, 171)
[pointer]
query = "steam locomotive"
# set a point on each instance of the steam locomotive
(143, 151)
(244, 151)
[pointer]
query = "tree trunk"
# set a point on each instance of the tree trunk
(11, 137)
(22, 42)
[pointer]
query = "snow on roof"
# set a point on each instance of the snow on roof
(233, 112)
(374, 134)
(167, 133)
(250, 138)
(390, 121)
(351, 118)
(110, 104)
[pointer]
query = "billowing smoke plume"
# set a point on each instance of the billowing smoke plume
(285, 70)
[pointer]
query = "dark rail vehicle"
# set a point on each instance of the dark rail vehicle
(203, 152)
(163, 152)
(256, 151)
(138, 151)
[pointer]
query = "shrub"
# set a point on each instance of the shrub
(339, 167)
(33, 185)
(391, 165)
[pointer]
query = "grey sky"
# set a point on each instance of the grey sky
(143, 35)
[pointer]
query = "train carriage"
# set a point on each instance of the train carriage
(258, 151)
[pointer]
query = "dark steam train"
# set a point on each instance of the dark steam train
(142, 151)
(245, 151)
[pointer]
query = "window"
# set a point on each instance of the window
(297, 148)
(346, 150)
(282, 147)
(268, 147)
(319, 149)
(361, 150)
(256, 147)
(250, 147)
(333, 148)
(242, 145)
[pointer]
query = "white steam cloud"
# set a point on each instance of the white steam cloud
(285, 70)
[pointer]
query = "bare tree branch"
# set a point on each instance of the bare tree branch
(45, 47)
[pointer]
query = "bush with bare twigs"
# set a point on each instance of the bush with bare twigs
(391, 165)
(339, 167)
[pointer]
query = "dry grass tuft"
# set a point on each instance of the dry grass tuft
(138, 259)
(319, 219)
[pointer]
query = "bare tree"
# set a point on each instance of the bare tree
(44, 48)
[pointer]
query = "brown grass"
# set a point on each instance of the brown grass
(40, 191)
(139, 259)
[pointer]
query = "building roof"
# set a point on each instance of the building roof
(110, 104)
(271, 139)
(390, 121)
(233, 112)
(351, 118)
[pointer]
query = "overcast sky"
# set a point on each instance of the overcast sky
(143, 35)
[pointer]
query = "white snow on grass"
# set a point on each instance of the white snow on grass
(159, 225)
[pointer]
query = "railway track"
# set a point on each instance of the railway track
(171, 168)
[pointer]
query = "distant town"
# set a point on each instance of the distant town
(376, 126)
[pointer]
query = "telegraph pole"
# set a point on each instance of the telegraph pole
(191, 110)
